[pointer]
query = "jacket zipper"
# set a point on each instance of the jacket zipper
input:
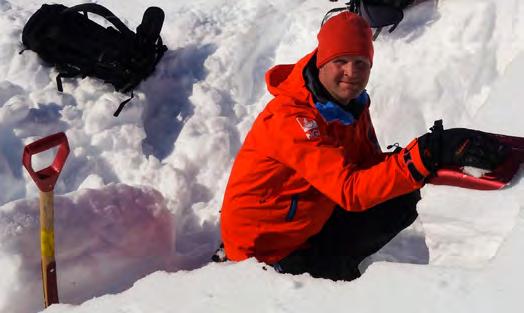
(292, 208)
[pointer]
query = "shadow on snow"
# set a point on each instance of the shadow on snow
(168, 105)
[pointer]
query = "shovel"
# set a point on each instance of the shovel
(45, 180)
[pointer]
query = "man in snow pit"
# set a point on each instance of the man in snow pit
(310, 190)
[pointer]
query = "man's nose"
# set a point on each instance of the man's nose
(354, 68)
(349, 68)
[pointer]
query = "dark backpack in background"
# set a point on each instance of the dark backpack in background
(77, 46)
(378, 13)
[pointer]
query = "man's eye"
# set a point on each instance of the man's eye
(360, 63)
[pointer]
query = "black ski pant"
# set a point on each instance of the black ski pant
(347, 238)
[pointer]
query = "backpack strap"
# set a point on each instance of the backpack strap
(65, 75)
(121, 106)
(103, 12)
(333, 11)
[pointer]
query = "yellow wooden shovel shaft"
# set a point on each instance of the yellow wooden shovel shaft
(47, 247)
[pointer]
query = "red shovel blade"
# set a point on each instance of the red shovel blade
(457, 178)
(497, 179)
(46, 178)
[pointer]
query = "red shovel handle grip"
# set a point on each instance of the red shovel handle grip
(46, 178)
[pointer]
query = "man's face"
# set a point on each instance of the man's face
(345, 77)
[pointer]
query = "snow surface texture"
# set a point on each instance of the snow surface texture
(141, 193)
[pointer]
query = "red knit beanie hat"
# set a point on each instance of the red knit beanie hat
(345, 33)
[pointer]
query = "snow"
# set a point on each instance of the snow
(137, 204)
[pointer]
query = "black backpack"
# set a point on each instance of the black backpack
(378, 13)
(77, 46)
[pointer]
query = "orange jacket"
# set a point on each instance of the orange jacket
(297, 164)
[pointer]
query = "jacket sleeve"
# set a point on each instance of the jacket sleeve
(317, 158)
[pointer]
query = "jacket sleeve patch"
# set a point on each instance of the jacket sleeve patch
(310, 127)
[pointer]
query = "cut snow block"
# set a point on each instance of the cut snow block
(106, 239)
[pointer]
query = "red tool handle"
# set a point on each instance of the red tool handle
(46, 178)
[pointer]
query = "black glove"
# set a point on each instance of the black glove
(460, 147)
